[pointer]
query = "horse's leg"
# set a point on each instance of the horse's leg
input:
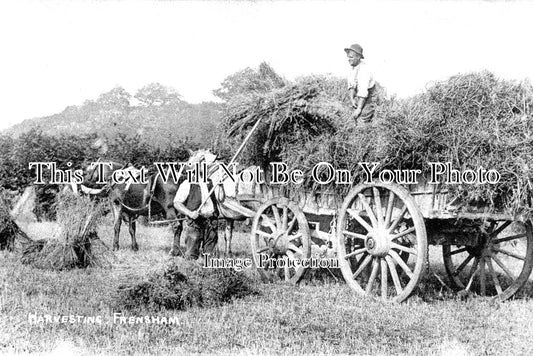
(193, 231)
(228, 234)
(117, 221)
(177, 228)
(132, 229)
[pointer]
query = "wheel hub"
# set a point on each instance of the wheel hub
(483, 249)
(279, 243)
(377, 242)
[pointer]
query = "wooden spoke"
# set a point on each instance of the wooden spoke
(401, 263)
(295, 249)
(379, 209)
(384, 277)
(399, 219)
(368, 209)
(291, 225)
(269, 257)
(294, 237)
(359, 219)
(275, 211)
(261, 250)
(268, 222)
(390, 206)
(373, 275)
(508, 238)
(394, 274)
(411, 251)
(474, 268)
(492, 225)
(473, 273)
(403, 233)
(503, 267)
(459, 250)
(291, 257)
(264, 234)
(285, 218)
(354, 234)
(286, 269)
(500, 229)
(508, 253)
(462, 265)
(355, 253)
(482, 277)
(494, 277)
(362, 266)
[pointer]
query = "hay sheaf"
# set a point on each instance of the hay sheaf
(184, 284)
(289, 114)
(471, 120)
(77, 245)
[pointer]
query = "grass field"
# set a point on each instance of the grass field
(319, 317)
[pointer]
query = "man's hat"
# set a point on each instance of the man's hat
(356, 48)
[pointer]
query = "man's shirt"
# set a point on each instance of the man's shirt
(361, 79)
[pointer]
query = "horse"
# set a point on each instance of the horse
(130, 200)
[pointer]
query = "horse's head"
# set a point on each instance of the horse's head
(202, 156)
(91, 174)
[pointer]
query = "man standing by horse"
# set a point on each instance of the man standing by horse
(361, 85)
(194, 201)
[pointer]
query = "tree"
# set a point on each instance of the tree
(114, 108)
(117, 98)
(156, 94)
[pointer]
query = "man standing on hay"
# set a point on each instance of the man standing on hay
(201, 226)
(361, 85)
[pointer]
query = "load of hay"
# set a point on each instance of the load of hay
(10, 232)
(183, 284)
(470, 120)
(77, 244)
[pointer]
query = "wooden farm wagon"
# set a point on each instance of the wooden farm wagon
(380, 232)
(380, 235)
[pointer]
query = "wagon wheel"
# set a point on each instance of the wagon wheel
(498, 266)
(381, 237)
(280, 240)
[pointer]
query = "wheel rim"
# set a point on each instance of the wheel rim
(377, 224)
(498, 266)
(280, 232)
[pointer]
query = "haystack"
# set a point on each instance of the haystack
(470, 120)
(77, 244)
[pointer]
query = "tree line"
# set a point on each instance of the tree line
(155, 124)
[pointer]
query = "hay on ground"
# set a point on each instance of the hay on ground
(183, 284)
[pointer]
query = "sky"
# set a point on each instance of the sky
(60, 53)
